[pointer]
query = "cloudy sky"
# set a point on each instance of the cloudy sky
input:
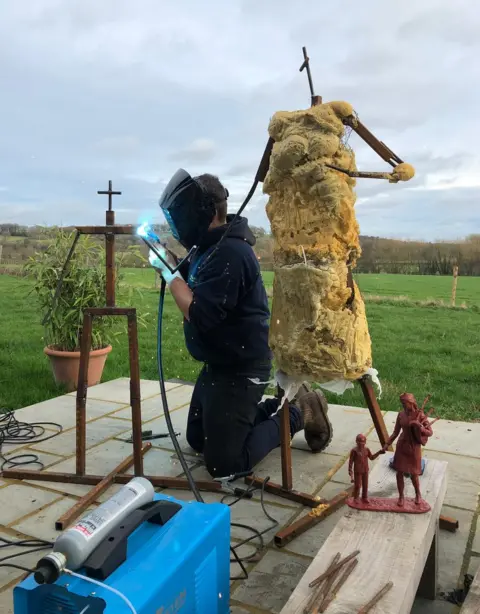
(131, 90)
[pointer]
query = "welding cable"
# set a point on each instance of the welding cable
(168, 419)
(105, 586)
(13, 431)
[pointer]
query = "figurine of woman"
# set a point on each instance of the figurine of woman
(415, 430)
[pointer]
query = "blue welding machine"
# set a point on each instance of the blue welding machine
(177, 560)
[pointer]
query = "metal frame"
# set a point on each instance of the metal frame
(101, 483)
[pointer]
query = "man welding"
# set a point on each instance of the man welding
(219, 290)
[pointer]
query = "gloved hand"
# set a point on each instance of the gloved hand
(161, 267)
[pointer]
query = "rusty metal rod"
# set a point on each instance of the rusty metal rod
(337, 566)
(111, 311)
(360, 174)
(341, 581)
(64, 521)
(327, 585)
(118, 229)
(135, 402)
(324, 509)
(318, 589)
(381, 593)
(374, 409)
(285, 449)
(292, 495)
(378, 147)
(82, 385)
(110, 258)
(448, 524)
(92, 480)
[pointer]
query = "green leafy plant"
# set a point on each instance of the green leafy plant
(83, 286)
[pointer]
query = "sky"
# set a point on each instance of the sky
(133, 90)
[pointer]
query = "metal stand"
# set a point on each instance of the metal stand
(101, 483)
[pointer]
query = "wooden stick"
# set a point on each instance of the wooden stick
(318, 591)
(366, 608)
(337, 566)
(329, 598)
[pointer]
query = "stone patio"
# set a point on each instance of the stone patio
(30, 509)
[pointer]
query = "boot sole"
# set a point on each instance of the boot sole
(321, 407)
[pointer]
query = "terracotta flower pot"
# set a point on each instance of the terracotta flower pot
(65, 366)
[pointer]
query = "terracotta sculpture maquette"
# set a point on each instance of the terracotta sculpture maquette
(358, 467)
(414, 429)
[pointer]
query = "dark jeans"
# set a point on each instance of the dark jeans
(229, 424)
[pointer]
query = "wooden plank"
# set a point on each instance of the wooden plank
(393, 546)
(471, 604)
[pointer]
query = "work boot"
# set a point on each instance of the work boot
(313, 407)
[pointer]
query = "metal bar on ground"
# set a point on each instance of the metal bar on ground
(66, 519)
(135, 402)
(319, 513)
(92, 480)
(292, 495)
(82, 385)
(448, 524)
(374, 409)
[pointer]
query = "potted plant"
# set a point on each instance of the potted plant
(83, 286)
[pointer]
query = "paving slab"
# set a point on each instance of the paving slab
(6, 602)
(162, 462)
(118, 390)
(8, 574)
(62, 410)
(461, 438)
(22, 500)
(451, 549)
(153, 407)
(463, 475)
(474, 565)
(43, 457)
(42, 524)
(97, 431)
(347, 423)
(272, 581)
(427, 606)
(179, 421)
(309, 470)
(476, 539)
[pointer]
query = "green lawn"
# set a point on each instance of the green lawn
(421, 287)
(417, 349)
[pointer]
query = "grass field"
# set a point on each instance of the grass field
(416, 348)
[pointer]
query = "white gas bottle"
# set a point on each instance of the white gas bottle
(78, 542)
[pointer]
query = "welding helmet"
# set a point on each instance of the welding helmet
(188, 209)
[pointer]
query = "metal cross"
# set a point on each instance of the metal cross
(110, 193)
(306, 64)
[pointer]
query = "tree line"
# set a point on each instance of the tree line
(378, 255)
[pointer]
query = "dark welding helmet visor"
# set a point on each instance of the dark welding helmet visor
(186, 208)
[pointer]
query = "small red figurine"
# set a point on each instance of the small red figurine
(358, 467)
(415, 430)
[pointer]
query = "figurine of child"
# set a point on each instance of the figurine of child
(358, 467)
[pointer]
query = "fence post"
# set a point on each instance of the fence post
(454, 285)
